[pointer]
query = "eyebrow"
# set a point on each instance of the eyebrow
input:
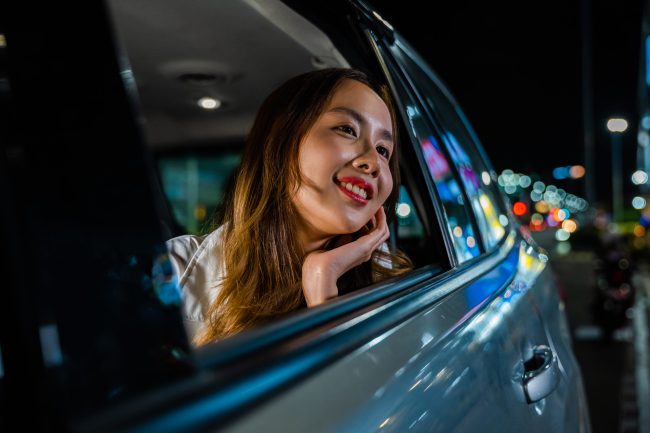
(385, 134)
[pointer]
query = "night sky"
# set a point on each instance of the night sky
(516, 70)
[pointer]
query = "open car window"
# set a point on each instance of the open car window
(200, 89)
(199, 92)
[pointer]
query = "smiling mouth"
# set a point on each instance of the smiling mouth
(355, 188)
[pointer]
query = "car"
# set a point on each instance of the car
(122, 124)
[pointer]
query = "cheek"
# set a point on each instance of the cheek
(387, 186)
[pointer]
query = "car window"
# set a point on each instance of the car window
(414, 232)
(195, 185)
(490, 218)
(199, 96)
(409, 223)
(458, 221)
(479, 181)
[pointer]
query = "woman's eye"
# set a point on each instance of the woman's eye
(347, 129)
(383, 151)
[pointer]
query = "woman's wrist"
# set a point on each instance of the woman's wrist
(318, 284)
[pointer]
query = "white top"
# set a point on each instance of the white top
(198, 263)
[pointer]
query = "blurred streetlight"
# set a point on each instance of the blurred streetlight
(616, 127)
(616, 124)
(639, 177)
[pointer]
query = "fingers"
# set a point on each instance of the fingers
(322, 268)
(382, 237)
(370, 225)
(346, 255)
(380, 217)
(379, 234)
(373, 222)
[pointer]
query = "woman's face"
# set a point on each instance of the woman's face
(344, 165)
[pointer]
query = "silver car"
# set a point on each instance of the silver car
(122, 128)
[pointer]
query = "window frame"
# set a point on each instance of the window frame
(407, 83)
(312, 339)
(473, 144)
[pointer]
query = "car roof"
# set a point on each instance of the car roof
(178, 53)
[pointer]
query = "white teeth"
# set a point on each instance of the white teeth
(355, 189)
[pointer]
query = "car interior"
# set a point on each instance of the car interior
(201, 71)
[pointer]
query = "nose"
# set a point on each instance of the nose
(368, 162)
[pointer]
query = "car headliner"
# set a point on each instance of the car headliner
(179, 52)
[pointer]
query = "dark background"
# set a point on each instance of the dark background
(516, 69)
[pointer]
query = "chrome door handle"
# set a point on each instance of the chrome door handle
(541, 374)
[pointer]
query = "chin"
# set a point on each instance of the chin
(350, 227)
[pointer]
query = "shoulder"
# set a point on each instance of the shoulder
(198, 264)
(187, 251)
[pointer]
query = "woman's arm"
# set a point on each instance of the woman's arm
(321, 269)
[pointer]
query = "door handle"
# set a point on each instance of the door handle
(541, 374)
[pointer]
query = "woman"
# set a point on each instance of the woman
(305, 222)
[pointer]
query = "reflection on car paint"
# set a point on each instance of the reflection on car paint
(531, 263)
(483, 287)
(495, 224)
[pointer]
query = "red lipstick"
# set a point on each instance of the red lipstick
(359, 183)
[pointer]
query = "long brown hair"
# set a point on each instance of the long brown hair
(262, 256)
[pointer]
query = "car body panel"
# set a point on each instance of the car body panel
(441, 349)
(456, 366)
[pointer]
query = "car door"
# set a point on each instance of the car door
(457, 363)
(540, 319)
(91, 342)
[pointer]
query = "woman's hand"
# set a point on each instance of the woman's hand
(321, 269)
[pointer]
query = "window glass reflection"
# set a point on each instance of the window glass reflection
(458, 221)
(195, 185)
(409, 225)
(481, 198)
(478, 180)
